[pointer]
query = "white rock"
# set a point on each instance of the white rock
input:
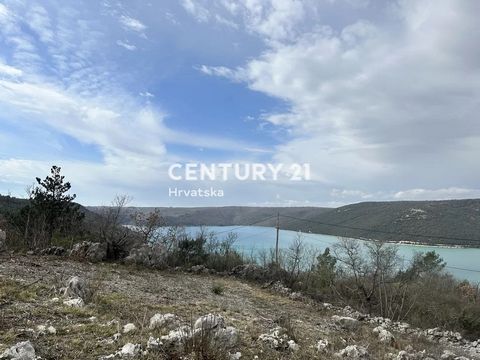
(292, 345)
(178, 336)
(323, 345)
(76, 288)
(20, 351)
(346, 322)
(78, 303)
(168, 321)
(227, 337)
(129, 328)
(129, 350)
(448, 355)
(209, 322)
(153, 343)
(384, 335)
(235, 356)
(353, 352)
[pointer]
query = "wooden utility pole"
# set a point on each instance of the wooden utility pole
(276, 242)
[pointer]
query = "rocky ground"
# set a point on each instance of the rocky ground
(55, 308)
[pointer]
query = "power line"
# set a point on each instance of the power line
(382, 231)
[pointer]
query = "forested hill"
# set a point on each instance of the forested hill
(223, 216)
(453, 222)
(10, 204)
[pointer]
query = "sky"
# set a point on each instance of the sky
(380, 98)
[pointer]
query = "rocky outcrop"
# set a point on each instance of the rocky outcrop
(147, 255)
(163, 321)
(353, 352)
(20, 351)
(76, 288)
(54, 250)
(89, 251)
(346, 322)
(278, 339)
(384, 335)
(209, 322)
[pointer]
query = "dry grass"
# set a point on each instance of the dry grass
(128, 294)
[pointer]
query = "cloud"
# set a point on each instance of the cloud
(199, 12)
(437, 194)
(132, 24)
(126, 45)
(10, 70)
(383, 105)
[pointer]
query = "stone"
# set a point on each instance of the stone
(163, 321)
(275, 339)
(90, 251)
(76, 288)
(292, 345)
(209, 322)
(353, 352)
(54, 250)
(129, 350)
(448, 355)
(78, 303)
(384, 335)
(128, 328)
(153, 255)
(323, 345)
(43, 329)
(177, 338)
(235, 356)
(227, 337)
(154, 343)
(20, 351)
(346, 322)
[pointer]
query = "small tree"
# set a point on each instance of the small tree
(117, 237)
(423, 264)
(325, 269)
(148, 225)
(51, 207)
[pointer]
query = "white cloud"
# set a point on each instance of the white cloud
(199, 12)
(377, 106)
(126, 45)
(10, 70)
(437, 194)
(132, 24)
(3, 12)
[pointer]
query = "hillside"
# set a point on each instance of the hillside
(448, 222)
(10, 204)
(222, 216)
(430, 222)
(118, 318)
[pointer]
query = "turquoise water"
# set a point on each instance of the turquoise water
(252, 239)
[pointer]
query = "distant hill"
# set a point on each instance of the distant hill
(10, 204)
(430, 222)
(222, 216)
(449, 222)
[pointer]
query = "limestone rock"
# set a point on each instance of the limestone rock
(165, 321)
(353, 352)
(20, 351)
